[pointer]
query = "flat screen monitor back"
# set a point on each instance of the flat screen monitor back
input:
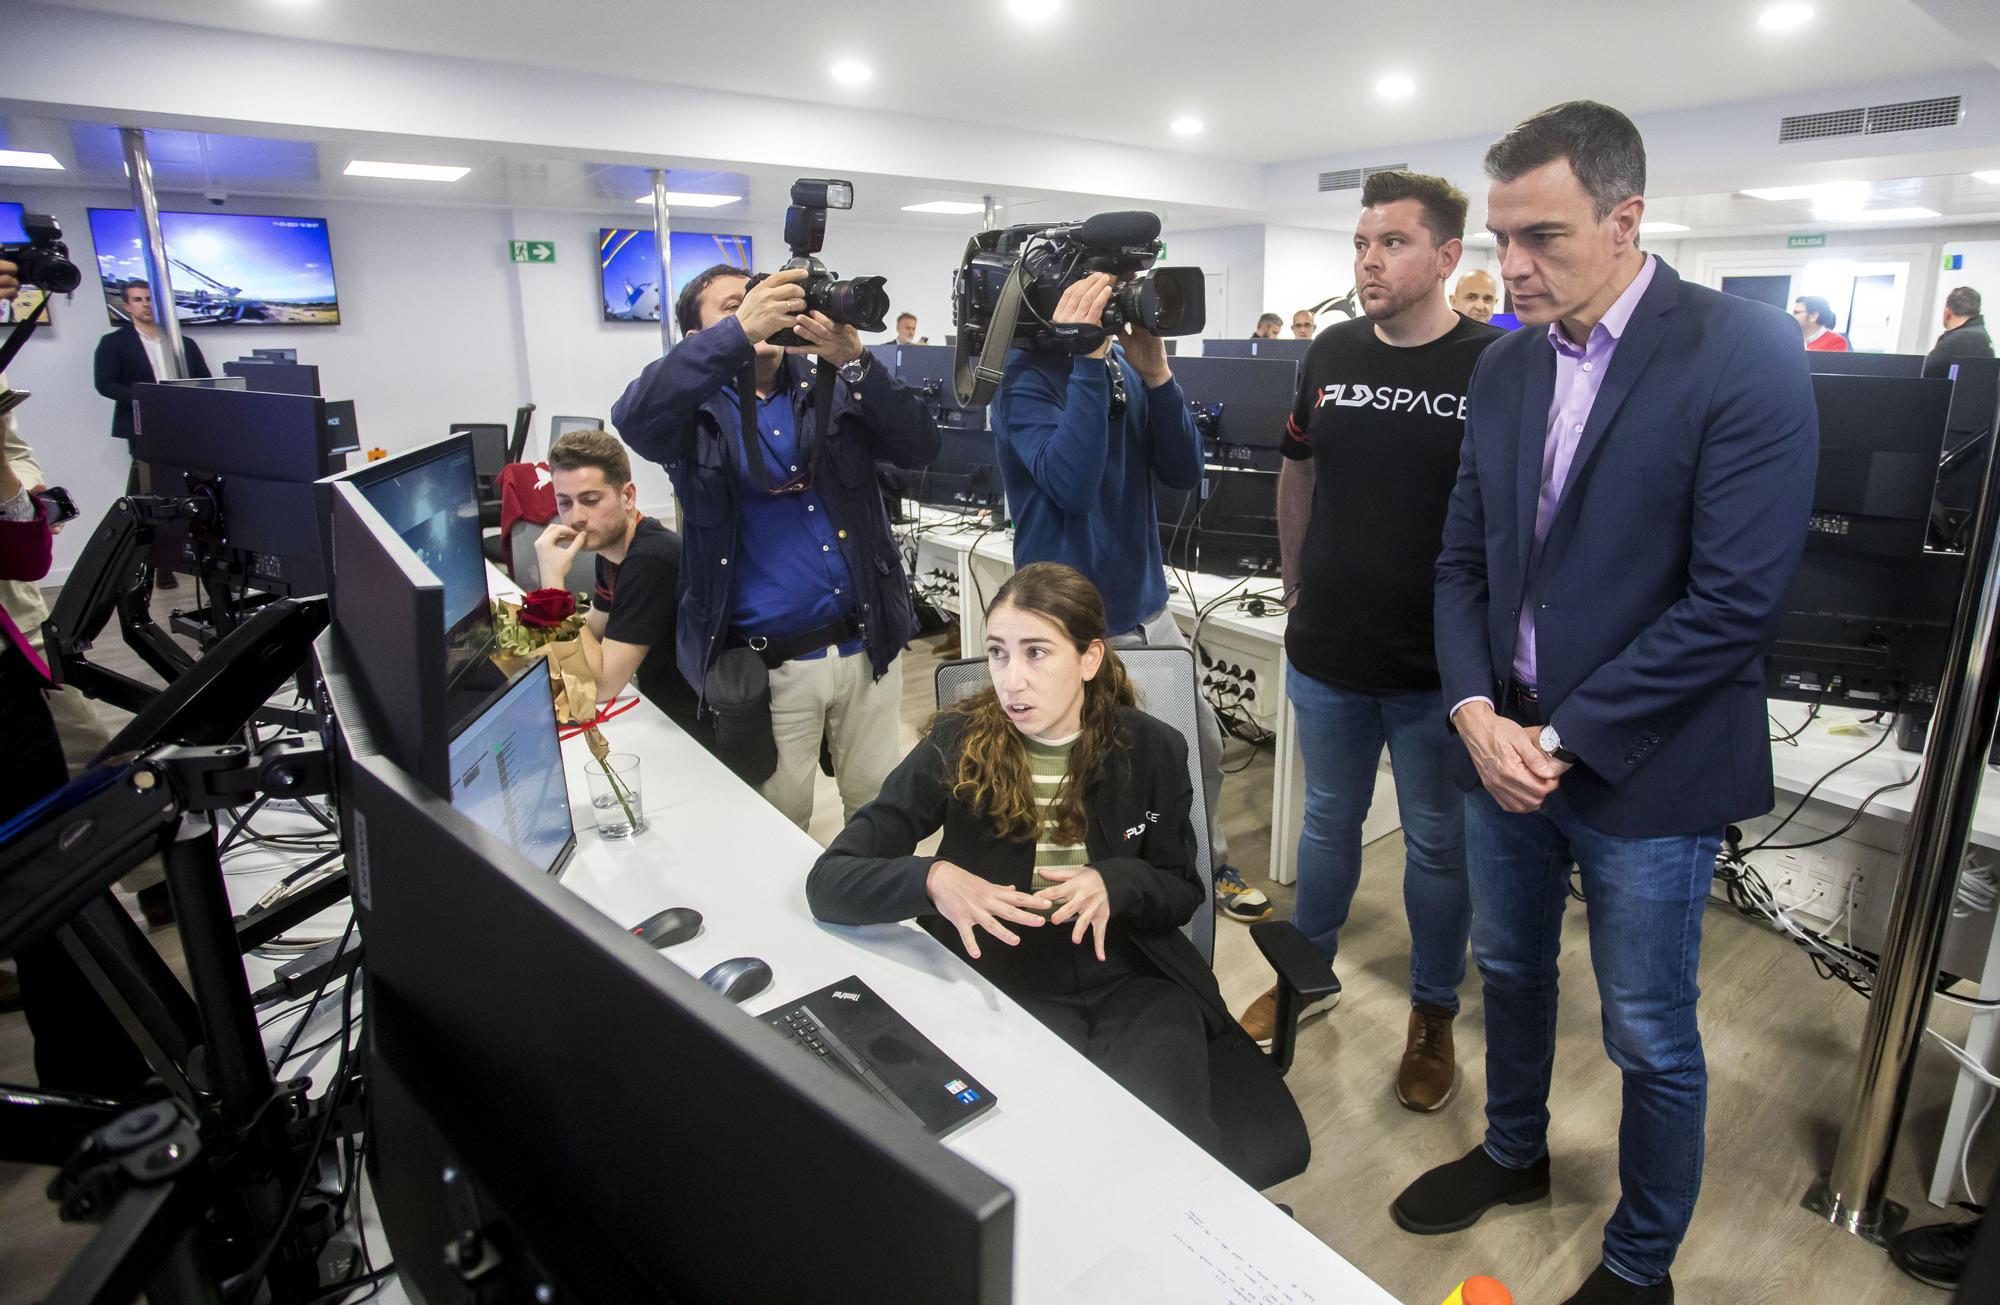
(1880, 438)
(1237, 531)
(1864, 364)
(1251, 399)
(274, 377)
(930, 368)
(631, 1132)
(1292, 350)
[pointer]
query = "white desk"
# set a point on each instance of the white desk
(960, 565)
(1873, 850)
(712, 843)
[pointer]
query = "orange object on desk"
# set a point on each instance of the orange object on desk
(1480, 1290)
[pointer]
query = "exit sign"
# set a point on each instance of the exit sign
(1806, 242)
(532, 251)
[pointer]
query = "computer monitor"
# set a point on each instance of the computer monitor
(274, 377)
(964, 477)
(1880, 438)
(607, 1124)
(1237, 531)
(1240, 406)
(429, 496)
(1864, 364)
(1293, 350)
(929, 369)
(257, 455)
(507, 772)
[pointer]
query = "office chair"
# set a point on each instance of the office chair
(560, 426)
(489, 455)
(1263, 1137)
(517, 443)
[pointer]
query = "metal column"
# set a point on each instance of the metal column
(1851, 1196)
(140, 166)
(991, 219)
(668, 330)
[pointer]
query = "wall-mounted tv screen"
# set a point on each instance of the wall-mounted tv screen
(12, 232)
(630, 263)
(227, 268)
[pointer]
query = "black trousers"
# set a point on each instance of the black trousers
(79, 1045)
(1145, 1032)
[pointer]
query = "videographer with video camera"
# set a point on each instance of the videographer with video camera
(1081, 438)
(794, 604)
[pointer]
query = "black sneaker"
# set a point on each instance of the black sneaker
(1936, 1253)
(1604, 1287)
(1453, 1196)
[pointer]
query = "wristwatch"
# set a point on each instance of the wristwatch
(854, 371)
(1551, 743)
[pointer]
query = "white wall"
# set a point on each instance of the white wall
(1235, 253)
(1303, 265)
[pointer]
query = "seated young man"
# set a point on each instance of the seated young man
(629, 632)
(1067, 864)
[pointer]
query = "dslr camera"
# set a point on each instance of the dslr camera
(860, 302)
(44, 260)
(1006, 291)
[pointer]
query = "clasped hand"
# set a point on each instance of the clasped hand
(1509, 757)
(971, 902)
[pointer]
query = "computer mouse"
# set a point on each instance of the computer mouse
(739, 978)
(676, 924)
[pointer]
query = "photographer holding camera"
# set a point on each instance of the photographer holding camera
(1081, 437)
(787, 557)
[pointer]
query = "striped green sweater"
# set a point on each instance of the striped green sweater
(1049, 762)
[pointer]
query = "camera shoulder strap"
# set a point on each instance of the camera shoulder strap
(974, 381)
(746, 406)
(22, 330)
(810, 440)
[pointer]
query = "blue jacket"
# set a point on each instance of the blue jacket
(1666, 565)
(676, 414)
(1081, 487)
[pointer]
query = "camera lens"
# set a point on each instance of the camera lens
(51, 271)
(862, 302)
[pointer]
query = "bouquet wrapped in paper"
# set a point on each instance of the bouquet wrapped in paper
(545, 625)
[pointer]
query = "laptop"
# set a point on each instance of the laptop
(851, 1031)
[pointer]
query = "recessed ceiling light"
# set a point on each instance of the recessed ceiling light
(1660, 228)
(406, 171)
(691, 199)
(29, 159)
(1851, 191)
(1785, 18)
(1186, 125)
(945, 206)
(1395, 87)
(1873, 214)
(1034, 11)
(852, 72)
(1990, 178)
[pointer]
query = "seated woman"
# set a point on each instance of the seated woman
(1066, 845)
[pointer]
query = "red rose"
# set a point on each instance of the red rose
(545, 609)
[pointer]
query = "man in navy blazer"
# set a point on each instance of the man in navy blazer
(1631, 505)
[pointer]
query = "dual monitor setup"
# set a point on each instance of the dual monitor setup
(492, 991)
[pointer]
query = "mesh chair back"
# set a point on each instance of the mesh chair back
(1164, 679)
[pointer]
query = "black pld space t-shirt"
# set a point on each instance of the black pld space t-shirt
(1382, 428)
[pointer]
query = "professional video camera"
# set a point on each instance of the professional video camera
(1007, 289)
(43, 261)
(860, 302)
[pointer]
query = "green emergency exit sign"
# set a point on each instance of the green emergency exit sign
(532, 251)
(1817, 241)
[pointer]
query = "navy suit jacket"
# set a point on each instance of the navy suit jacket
(121, 363)
(1666, 564)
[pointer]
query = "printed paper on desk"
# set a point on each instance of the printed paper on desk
(1216, 1249)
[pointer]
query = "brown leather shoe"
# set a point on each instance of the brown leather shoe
(1260, 1018)
(1428, 1074)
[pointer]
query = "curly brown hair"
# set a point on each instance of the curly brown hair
(993, 775)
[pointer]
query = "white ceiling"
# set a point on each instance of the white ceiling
(1273, 80)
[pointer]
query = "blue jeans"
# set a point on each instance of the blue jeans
(1341, 733)
(1645, 900)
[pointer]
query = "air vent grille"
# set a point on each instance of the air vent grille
(1352, 178)
(1907, 115)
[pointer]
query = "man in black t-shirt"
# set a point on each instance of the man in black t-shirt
(629, 633)
(1371, 455)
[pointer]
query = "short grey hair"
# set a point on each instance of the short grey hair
(1602, 146)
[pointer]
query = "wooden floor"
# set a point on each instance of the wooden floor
(1780, 1044)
